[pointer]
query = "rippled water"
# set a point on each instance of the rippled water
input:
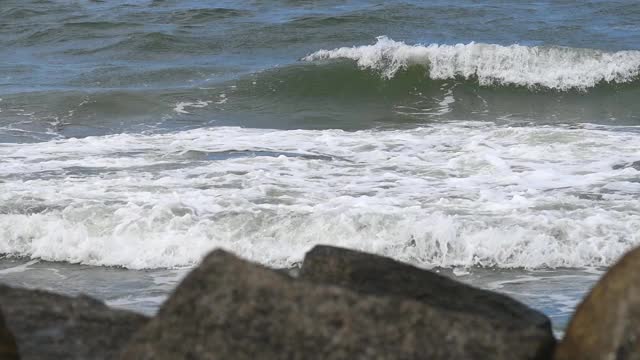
(495, 141)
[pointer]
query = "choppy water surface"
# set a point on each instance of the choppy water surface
(498, 139)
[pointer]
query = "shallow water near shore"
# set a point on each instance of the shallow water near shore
(552, 292)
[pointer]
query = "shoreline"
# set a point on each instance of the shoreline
(143, 291)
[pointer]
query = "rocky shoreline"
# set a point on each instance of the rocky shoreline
(344, 304)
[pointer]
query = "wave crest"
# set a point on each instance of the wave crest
(556, 68)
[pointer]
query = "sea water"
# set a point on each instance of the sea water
(492, 142)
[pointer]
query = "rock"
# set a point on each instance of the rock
(228, 308)
(633, 165)
(606, 325)
(53, 326)
(377, 275)
(8, 348)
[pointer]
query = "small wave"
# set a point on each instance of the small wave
(20, 13)
(100, 25)
(555, 68)
(74, 30)
(181, 107)
(148, 44)
(200, 16)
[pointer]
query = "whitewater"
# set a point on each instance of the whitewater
(557, 68)
(459, 194)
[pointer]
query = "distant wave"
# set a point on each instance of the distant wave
(557, 68)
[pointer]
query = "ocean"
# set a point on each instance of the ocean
(496, 142)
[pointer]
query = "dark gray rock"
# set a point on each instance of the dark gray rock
(377, 275)
(633, 165)
(228, 308)
(53, 326)
(606, 325)
(8, 348)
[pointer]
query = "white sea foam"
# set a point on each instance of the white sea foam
(457, 194)
(223, 99)
(181, 107)
(132, 302)
(19, 268)
(551, 67)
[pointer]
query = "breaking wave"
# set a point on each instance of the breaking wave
(557, 68)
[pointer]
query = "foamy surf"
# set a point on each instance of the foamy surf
(558, 68)
(454, 195)
(182, 106)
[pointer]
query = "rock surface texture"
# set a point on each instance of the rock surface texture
(606, 325)
(8, 348)
(377, 275)
(228, 308)
(53, 326)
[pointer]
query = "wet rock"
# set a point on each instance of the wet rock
(53, 326)
(228, 308)
(377, 275)
(633, 165)
(8, 348)
(606, 325)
